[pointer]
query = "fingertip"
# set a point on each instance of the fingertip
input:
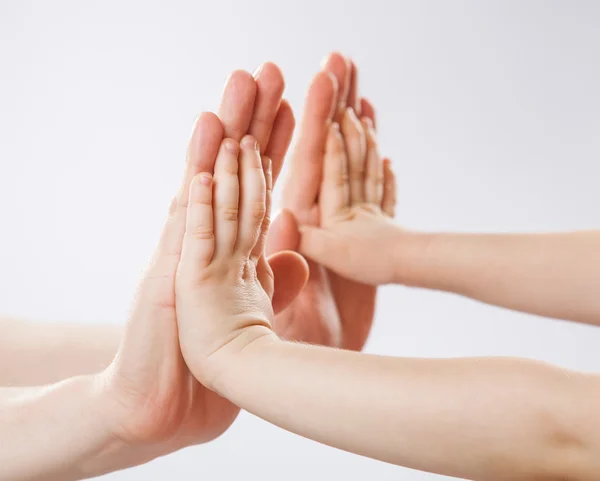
(249, 142)
(322, 95)
(240, 79)
(270, 74)
(230, 145)
(335, 140)
(367, 110)
(367, 125)
(200, 183)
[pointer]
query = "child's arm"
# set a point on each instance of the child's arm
(555, 275)
(36, 353)
(481, 419)
(485, 419)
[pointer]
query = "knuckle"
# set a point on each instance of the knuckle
(266, 222)
(342, 179)
(259, 209)
(201, 232)
(230, 213)
(357, 174)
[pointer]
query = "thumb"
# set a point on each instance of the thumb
(290, 272)
(322, 247)
(283, 233)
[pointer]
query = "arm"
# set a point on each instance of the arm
(36, 353)
(56, 432)
(481, 419)
(554, 275)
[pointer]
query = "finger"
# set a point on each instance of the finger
(226, 198)
(237, 104)
(199, 239)
(335, 189)
(281, 137)
(367, 110)
(388, 204)
(356, 150)
(340, 67)
(269, 89)
(252, 196)
(306, 167)
(374, 169)
(290, 272)
(259, 248)
(322, 246)
(201, 154)
(353, 99)
(283, 234)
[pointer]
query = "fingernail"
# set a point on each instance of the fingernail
(258, 71)
(249, 142)
(369, 122)
(205, 178)
(231, 146)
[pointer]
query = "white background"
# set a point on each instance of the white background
(489, 110)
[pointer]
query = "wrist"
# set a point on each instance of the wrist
(225, 367)
(110, 452)
(412, 253)
(117, 450)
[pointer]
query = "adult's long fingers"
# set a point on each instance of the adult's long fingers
(237, 104)
(270, 86)
(305, 171)
(340, 67)
(281, 137)
(201, 154)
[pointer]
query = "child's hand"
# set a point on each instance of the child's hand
(357, 236)
(224, 285)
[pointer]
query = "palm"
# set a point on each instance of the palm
(331, 310)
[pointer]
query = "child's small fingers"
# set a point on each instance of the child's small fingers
(199, 240)
(355, 141)
(374, 169)
(259, 248)
(335, 187)
(388, 203)
(226, 197)
(252, 196)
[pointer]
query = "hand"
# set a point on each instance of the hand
(332, 310)
(154, 404)
(357, 237)
(224, 287)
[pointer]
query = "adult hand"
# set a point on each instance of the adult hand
(331, 310)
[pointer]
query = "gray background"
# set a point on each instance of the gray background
(489, 110)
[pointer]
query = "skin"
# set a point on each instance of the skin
(332, 310)
(482, 419)
(146, 403)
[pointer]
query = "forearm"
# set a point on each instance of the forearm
(55, 433)
(553, 275)
(482, 419)
(35, 353)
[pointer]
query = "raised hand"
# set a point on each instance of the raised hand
(332, 310)
(357, 238)
(223, 295)
(155, 405)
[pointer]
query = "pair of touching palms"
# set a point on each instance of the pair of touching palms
(162, 406)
